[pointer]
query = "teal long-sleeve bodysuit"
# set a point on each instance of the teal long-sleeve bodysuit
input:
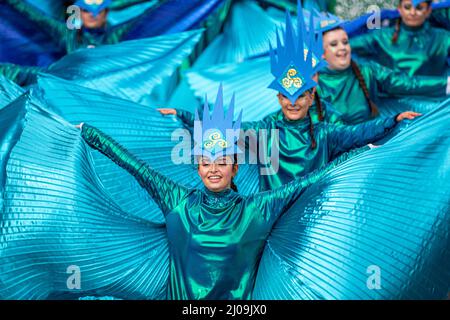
(216, 239)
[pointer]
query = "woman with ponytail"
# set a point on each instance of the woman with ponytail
(411, 45)
(353, 88)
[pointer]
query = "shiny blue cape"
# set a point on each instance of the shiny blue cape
(387, 208)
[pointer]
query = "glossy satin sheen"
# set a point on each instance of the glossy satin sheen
(57, 212)
(297, 158)
(71, 40)
(341, 88)
(216, 239)
(420, 51)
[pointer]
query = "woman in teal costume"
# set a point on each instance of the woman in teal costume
(301, 144)
(57, 213)
(216, 236)
(412, 45)
(353, 87)
(94, 30)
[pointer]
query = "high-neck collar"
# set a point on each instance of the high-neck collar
(219, 194)
(95, 31)
(422, 28)
(217, 201)
(329, 71)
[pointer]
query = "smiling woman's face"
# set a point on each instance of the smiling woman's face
(296, 111)
(337, 49)
(217, 175)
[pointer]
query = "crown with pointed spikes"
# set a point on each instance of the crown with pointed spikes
(325, 21)
(315, 41)
(293, 71)
(216, 135)
(93, 6)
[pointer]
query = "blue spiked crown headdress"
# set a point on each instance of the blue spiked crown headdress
(325, 21)
(216, 135)
(315, 40)
(93, 6)
(292, 62)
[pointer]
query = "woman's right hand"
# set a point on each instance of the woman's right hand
(167, 111)
(79, 126)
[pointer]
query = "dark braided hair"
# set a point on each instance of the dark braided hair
(233, 186)
(362, 84)
(319, 106)
(397, 31)
(311, 132)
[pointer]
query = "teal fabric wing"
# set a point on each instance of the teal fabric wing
(249, 80)
(142, 130)
(243, 37)
(9, 91)
(136, 70)
(376, 227)
(58, 222)
(393, 106)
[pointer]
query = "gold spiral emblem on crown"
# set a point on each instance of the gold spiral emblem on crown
(91, 2)
(290, 80)
(213, 139)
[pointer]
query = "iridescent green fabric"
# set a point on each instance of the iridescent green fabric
(296, 156)
(295, 153)
(342, 89)
(420, 51)
(216, 239)
(22, 75)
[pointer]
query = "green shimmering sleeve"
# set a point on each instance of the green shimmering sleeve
(166, 193)
(51, 26)
(365, 44)
(271, 204)
(400, 83)
(342, 138)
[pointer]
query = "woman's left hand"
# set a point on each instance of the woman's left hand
(407, 115)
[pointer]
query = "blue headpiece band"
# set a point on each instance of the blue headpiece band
(291, 62)
(217, 134)
(93, 6)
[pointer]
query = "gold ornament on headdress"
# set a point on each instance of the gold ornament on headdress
(291, 81)
(213, 139)
(326, 23)
(91, 2)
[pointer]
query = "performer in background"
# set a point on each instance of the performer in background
(412, 45)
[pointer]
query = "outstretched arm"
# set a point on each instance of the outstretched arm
(365, 44)
(273, 203)
(342, 138)
(400, 83)
(166, 193)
